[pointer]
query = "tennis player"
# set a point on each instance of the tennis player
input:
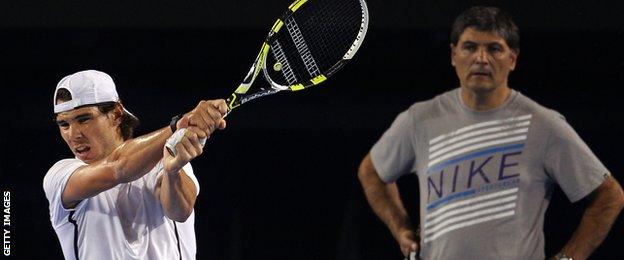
(123, 197)
(487, 158)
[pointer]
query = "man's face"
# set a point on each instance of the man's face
(89, 134)
(482, 60)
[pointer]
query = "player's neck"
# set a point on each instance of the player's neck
(485, 100)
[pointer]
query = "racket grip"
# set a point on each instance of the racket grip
(174, 139)
(226, 113)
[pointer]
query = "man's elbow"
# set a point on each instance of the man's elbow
(364, 175)
(180, 219)
(368, 175)
(366, 169)
(180, 215)
(619, 194)
(611, 195)
(361, 174)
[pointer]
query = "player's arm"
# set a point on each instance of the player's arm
(134, 158)
(128, 162)
(174, 188)
(606, 203)
(177, 194)
(386, 203)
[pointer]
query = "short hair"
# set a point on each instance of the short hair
(128, 124)
(487, 19)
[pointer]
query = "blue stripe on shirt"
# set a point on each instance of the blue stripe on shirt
(442, 165)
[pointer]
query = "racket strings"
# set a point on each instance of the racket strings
(291, 55)
(283, 64)
(317, 37)
(302, 47)
(331, 27)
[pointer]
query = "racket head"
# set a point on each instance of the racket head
(310, 42)
(313, 40)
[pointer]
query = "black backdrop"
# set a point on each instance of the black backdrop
(280, 182)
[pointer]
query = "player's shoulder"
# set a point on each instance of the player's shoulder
(63, 163)
(437, 106)
(60, 169)
(538, 111)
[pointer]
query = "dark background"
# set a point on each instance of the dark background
(280, 182)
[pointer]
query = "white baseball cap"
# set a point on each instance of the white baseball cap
(87, 87)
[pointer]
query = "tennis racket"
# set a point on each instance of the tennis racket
(312, 41)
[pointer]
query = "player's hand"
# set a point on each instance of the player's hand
(187, 149)
(407, 241)
(207, 116)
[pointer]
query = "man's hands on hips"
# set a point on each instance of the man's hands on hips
(407, 241)
(200, 123)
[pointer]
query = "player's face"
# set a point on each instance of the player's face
(482, 60)
(90, 135)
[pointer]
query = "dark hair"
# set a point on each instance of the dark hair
(487, 19)
(129, 122)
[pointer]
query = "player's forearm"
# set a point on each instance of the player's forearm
(177, 196)
(596, 221)
(136, 157)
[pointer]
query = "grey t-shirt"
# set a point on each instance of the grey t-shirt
(486, 177)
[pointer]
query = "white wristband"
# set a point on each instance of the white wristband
(174, 139)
